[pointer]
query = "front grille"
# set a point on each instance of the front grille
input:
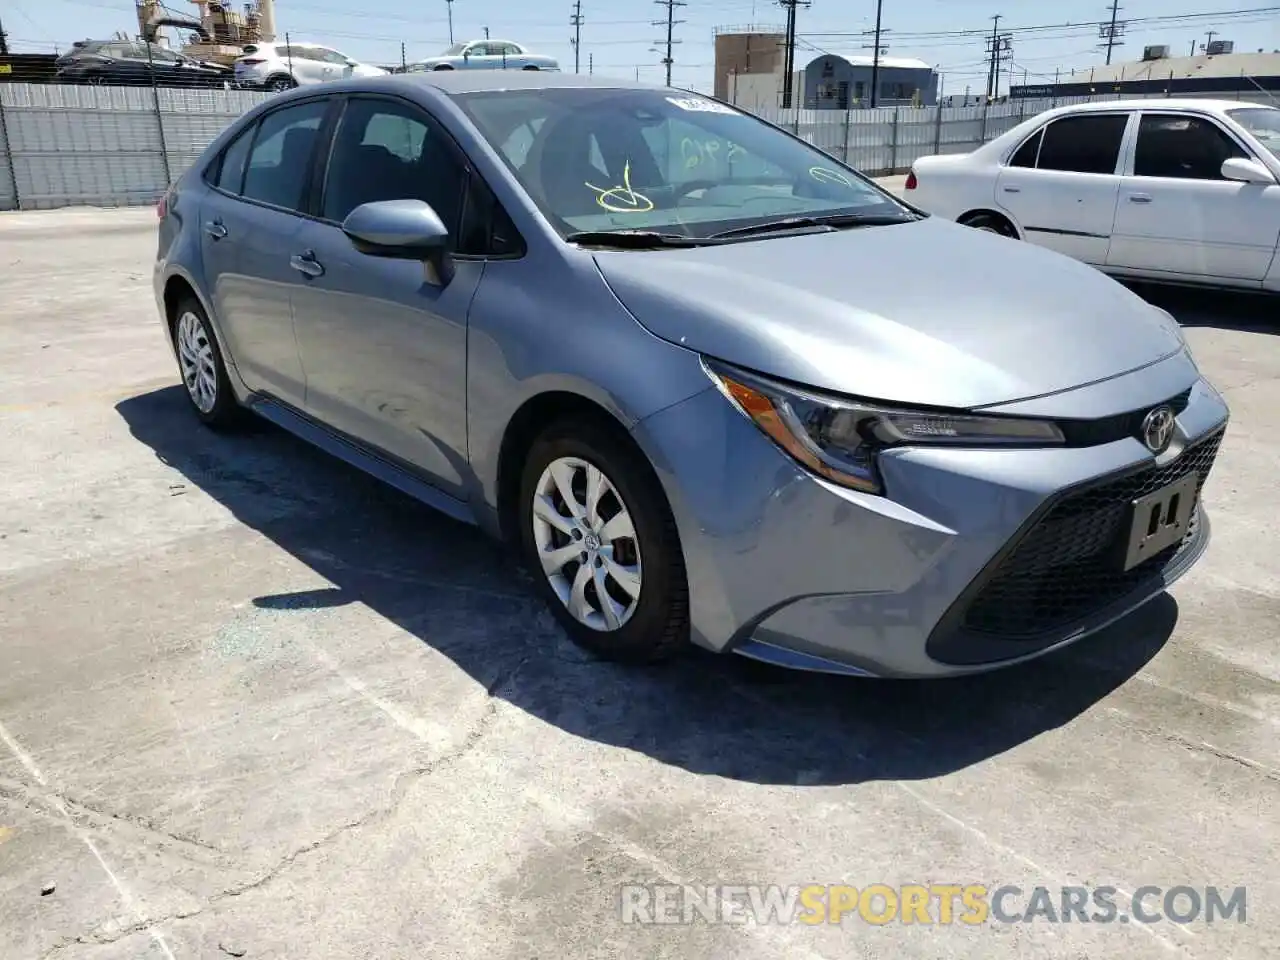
(1065, 568)
(1092, 433)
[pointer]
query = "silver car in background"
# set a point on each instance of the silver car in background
(714, 385)
(486, 55)
(283, 66)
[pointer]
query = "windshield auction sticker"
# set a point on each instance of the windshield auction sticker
(699, 105)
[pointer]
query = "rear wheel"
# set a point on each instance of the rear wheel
(990, 223)
(200, 363)
(600, 540)
(281, 82)
(444, 66)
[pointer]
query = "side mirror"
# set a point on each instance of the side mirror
(1246, 171)
(402, 230)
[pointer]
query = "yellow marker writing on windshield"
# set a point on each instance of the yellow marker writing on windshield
(824, 175)
(622, 199)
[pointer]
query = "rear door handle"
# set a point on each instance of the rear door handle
(306, 263)
(215, 229)
(1139, 198)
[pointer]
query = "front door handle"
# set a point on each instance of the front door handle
(306, 263)
(215, 229)
(1139, 198)
(1012, 189)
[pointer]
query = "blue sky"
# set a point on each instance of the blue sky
(619, 36)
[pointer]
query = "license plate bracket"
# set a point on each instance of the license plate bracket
(1160, 519)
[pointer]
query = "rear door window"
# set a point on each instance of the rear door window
(1025, 156)
(281, 156)
(231, 171)
(1088, 143)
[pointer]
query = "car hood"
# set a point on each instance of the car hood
(925, 312)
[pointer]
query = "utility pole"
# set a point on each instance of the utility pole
(591, 63)
(449, 4)
(993, 55)
(670, 24)
(486, 33)
(1110, 33)
(4, 41)
(1210, 34)
(1001, 44)
(876, 50)
(575, 21)
(789, 50)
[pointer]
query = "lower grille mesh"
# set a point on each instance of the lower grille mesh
(1065, 567)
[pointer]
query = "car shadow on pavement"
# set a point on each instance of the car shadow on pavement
(465, 597)
(1224, 309)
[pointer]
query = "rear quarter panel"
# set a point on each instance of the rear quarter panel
(951, 186)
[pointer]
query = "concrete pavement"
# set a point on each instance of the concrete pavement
(254, 704)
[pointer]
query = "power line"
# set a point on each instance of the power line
(1079, 28)
(575, 21)
(670, 24)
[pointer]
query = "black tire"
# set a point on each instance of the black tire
(443, 66)
(529, 68)
(280, 83)
(225, 412)
(991, 223)
(658, 627)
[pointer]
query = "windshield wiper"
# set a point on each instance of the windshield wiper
(833, 222)
(632, 239)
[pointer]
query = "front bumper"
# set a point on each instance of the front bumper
(975, 559)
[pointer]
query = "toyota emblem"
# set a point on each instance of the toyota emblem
(1157, 429)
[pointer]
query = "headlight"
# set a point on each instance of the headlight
(838, 439)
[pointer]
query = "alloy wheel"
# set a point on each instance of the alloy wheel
(586, 543)
(195, 357)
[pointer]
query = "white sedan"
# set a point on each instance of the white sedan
(1184, 191)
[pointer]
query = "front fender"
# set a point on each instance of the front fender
(549, 324)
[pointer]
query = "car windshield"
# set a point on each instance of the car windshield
(1262, 122)
(606, 160)
(456, 49)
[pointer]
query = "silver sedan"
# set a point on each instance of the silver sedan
(713, 385)
(486, 55)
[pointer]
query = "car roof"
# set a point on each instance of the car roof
(1158, 103)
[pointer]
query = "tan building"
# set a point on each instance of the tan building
(746, 50)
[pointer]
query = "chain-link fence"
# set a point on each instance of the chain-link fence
(63, 145)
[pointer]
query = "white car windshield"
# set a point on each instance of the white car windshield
(455, 50)
(660, 160)
(1262, 122)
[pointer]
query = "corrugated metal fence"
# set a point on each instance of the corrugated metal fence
(63, 145)
(113, 146)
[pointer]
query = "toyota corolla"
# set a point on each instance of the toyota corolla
(716, 386)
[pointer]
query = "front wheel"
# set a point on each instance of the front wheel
(599, 538)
